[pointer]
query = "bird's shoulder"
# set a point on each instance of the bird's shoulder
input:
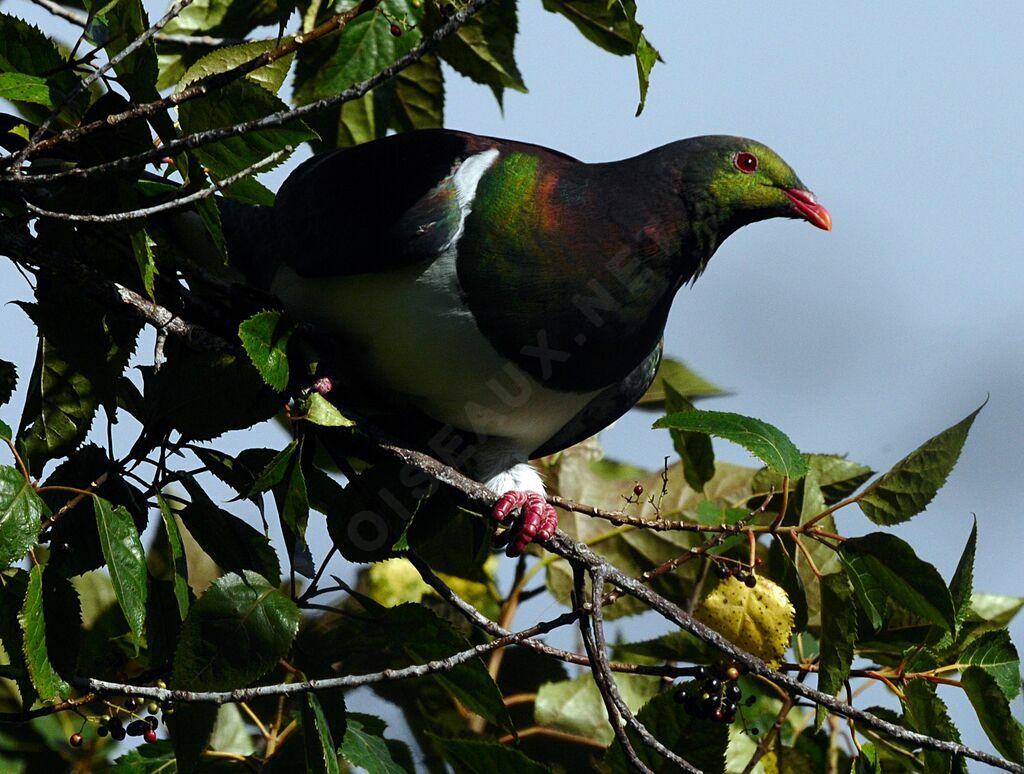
(389, 203)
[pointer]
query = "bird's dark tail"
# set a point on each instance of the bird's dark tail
(250, 237)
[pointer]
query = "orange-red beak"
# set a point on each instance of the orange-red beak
(808, 208)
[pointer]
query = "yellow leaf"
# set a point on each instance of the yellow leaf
(759, 619)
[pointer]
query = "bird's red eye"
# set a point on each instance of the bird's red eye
(745, 162)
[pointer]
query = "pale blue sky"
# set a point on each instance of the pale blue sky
(906, 120)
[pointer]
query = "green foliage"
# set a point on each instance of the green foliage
(235, 633)
(201, 600)
(764, 441)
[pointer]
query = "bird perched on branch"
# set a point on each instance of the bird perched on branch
(509, 294)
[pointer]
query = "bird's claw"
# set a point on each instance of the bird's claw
(528, 517)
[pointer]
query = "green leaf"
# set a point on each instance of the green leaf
(229, 541)
(682, 379)
(47, 682)
(482, 48)
(764, 441)
(8, 381)
(838, 633)
(992, 704)
(271, 77)
(240, 101)
(909, 581)
(203, 394)
(126, 562)
(867, 761)
(927, 714)
(576, 706)
(154, 758)
(12, 596)
(26, 51)
(178, 560)
(21, 513)
(321, 411)
(364, 746)
(962, 584)
(480, 757)
(191, 726)
(910, 485)
(996, 609)
(293, 510)
(694, 449)
(365, 47)
(265, 338)
(612, 26)
(234, 634)
(645, 54)
(321, 752)
(996, 654)
(701, 743)
(142, 247)
(19, 87)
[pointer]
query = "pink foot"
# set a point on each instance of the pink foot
(536, 519)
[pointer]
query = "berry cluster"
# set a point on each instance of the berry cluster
(723, 571)
(117, 728)
(714, 696)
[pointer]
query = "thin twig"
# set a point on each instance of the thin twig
(173, 204)
(199, 139)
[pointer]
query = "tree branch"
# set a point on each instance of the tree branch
(199, 139)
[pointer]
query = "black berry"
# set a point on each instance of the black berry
(733, 692)
(730, 708)
(638, 490)
(700, 672)
(750, 581)
(712, 684)
(102, 731)
(75, 740)
(153, 721)
(680, 697)
(722, 572)
(718, 714)
(137, 728)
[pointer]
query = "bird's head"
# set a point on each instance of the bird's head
(746, 182)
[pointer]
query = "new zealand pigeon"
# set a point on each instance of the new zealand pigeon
(511, 295)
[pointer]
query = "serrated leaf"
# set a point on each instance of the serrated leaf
(178, 559)
(265, 338)
(271, 76)
(767, 443)
(321, 411)
(694, 449)
(229, 541)
(838, 633)
(8, 382)
(571, 475)
(758, 619)
(240, 101)
(486, 757)
(12, 596)
(142, 247)
(482, 49)
(993, 707)
(321, 752)
(25, 50)
(32, 620)
(21, 513)
(293, 510)
(234, 634)
(154, 758)
(576, 707)
(910, 485)
(927, 714)
(126, 562)
(962, 583)
(19, 87)
(997, 609)
(910, 582)
(361, 50)
(867, 760)
(701, 743)
(643, 52)
(996, 654)
(364, 746)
